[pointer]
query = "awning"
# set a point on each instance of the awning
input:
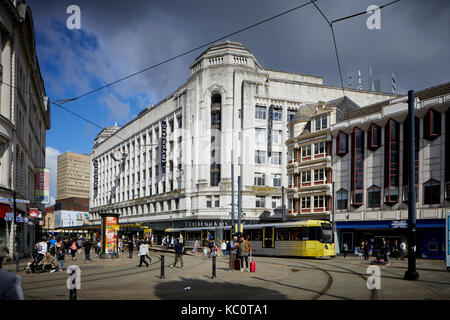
(4, 209)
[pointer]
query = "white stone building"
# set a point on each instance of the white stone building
(222, 107)
(24, 119)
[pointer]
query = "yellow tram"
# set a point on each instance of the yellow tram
(309, 238)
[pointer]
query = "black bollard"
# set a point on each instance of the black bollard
(162, 267)
(214, 266)
(73, 292)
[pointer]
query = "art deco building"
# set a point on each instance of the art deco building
(177, 166)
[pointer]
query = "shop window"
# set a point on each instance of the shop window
(341, 144)
(373, 197)
(374, 137)
(432, 192)
(342, 199)
(392, 159)
(432, 125)
(357, 174)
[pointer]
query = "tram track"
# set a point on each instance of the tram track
(417, 282)
(324, 290)
(25, 284)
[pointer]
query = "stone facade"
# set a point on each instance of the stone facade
(222, 107)
(24, 117)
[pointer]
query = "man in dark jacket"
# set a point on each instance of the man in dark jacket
(130, 247)
(178, 253)
(87, 249)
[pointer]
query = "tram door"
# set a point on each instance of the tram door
(268, 236)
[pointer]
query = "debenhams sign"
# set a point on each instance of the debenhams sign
(207, 223)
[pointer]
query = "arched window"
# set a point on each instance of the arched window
(373, 197)
(432, 192)
(342, 199)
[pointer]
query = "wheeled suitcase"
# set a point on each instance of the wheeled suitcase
(252, 265)
(237, 264)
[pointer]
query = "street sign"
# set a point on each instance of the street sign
(403, 224)
(34, 213)
(22, 220)
(12, 200)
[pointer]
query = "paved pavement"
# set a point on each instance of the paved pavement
(275, 278)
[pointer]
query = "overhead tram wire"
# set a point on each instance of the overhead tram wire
(62, 101)
(330, 23)
(66, 109)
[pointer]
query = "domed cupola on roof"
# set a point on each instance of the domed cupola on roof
(225, 53)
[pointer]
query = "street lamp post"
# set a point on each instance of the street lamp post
(411, 273)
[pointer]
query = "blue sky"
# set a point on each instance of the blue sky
(120, 37)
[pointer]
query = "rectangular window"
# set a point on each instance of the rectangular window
(260, 202)
(276, 136)
(260, 156)
(260, 112)
(260, 136)
(180, 122)
(341, 143)
(392, 163)
(432, 192)
(276, 158)
(277, 114)
(306, 176)
(306, 151)
(319, 175)
(321, 123)
(432, 124)
(342, 199)
(374, 137)
(216, 201)
(319, 202)
(306, 203)
(208, 202)
(290, 115)
(260, 179)
(277, 180)
(319, 148)
(357, 165)
(373, 197)
(276, 202)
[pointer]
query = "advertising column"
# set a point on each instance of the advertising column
(110, 229)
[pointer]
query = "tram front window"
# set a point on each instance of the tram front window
(327, 233)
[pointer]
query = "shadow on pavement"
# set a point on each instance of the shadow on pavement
(213, 290)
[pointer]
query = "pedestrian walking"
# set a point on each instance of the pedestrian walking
(48, 263)
(232, 252)
(244, 248)
(4, 252)
(73, 250)
(361, 250)
(181, 237)
(60, 253)
(387, 252)
(130, 248)
(152, 240)
(224, 248)
(345, 249)
(120, 246)
(87, 249)
(143, 252)
(172, 242)
(210, 244)
(402, 250)
(178, 253)
(366, 250)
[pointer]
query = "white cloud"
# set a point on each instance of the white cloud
(118, 110)
(51, 162)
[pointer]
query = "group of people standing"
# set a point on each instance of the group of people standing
(385, 249)
(239, 248)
